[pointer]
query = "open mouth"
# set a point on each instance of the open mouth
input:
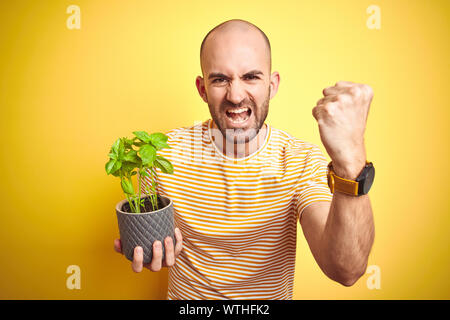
(238, 115)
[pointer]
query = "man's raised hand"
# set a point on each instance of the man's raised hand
(342, 117)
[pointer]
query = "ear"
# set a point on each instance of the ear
(274, 83)
(200, 83)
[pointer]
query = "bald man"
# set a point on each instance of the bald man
(237, 206)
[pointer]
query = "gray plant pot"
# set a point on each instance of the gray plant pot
(142, 229)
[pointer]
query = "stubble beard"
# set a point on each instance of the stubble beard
(240, 136)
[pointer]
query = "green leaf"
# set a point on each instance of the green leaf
(131, 156)
(128, 143)
(113, 156)
(116, 174)
(128, 167)
(138, 143)
(109, 165)
(147, 153)
(127, 186)
(159, 140)
(116, 166)
(112, 166)
(115, 147)
(164, 164)
(121, 152)
(144, 136)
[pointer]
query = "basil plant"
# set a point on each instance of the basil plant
(138, 156)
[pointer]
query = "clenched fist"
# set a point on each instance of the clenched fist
(342, 116)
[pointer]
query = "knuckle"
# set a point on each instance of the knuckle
(355, 90)
(343, 98)
(138, 252)
(329, 107)
(169, 243)
(157, 250)
(315, 112)
(369, 90)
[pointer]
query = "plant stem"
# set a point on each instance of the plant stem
(130, 202)
(155, 196)
(139, 189)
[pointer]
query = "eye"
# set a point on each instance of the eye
(252, 77)
(218, 80)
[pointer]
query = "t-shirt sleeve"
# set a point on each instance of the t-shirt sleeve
(312, 185)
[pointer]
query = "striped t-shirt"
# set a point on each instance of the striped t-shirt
(238, 217)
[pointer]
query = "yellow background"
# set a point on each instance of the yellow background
(66, 95)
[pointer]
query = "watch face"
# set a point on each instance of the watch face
(368, 180)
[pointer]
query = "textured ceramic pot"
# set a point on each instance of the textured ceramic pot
(142, 229)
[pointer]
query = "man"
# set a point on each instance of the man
(239, 192)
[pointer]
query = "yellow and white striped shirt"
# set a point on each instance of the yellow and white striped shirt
(238, 217)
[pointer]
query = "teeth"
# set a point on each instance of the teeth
(238, 110)
(239, 121)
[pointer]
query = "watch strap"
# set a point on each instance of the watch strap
(337, 183)
(349, 187)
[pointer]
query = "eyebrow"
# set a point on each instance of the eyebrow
(221, 75)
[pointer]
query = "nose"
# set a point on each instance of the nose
(236, 92)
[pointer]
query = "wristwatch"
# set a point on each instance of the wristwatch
(358, 187)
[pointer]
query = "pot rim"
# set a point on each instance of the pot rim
(122, 202)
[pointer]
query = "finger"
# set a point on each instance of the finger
(323, 112)
(369, 90)
(316, 112)
(179, 244)
(170, 258)
(325, 100)
(345, 84)
(155, 264)
(331, 90)
(344, 98)
(118, 245)
(138, 258)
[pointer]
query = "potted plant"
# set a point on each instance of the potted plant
(145, 216)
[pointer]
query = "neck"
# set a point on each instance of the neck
(238, 150)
